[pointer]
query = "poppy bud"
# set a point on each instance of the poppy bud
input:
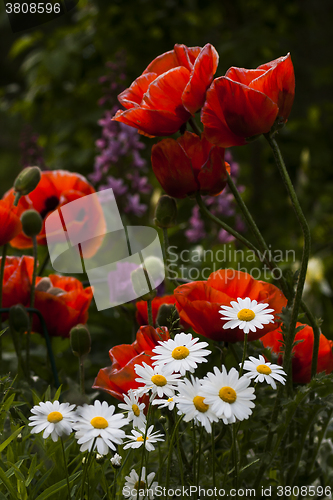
(18, 318)
(80, 340)
(165, 212)
(165, 312)
(32, 223)
(26, 181)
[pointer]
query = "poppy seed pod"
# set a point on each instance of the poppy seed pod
(165, 212)
(32, 223)
(27, 180)
(18, 318)
(80, 340)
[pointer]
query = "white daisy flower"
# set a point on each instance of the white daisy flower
(246, 314)
(230, 397)
(165, 403)
(181, 354)
(98, 421)
(138, 439)
(262, 371)
(134, 408)
(191, 404)
(159, 380)
(146, 486)
(54, 419)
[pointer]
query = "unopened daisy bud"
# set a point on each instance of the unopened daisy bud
(27, 181)
(80, 340)
(165, 312)
(99, 458)
(18, 318)
(19, 438)
(162, 419)
(116, 461)
(32, 223)
(165, 212)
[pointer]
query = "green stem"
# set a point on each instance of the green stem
(82, 388)
(244, 354)
(167, 480)
(234, 455)
(66, 468)
(213, 456)
(199, 456)
(225, 226)
(86, 467)
(43, 265)
(194, 441)
(305, 255)
(150, 313)
(32, 301)
(2, 272)
(180, 461)
(144, 442)
(194, 126)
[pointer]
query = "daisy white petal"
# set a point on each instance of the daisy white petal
(246, 314)
(159, 380)
(145, 485)
(230, 397)
(138, 438)
(97, 424)
(262, 371)
(181, 354)
(191, 404)
(55, 419)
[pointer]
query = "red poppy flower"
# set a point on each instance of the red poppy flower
(17, 280)
(188, 165)
(246, 102)
(63, 305)
(56, 189)
(10, 222)
(119, 378)
(199, 303)
(302, 352)
(171, 89)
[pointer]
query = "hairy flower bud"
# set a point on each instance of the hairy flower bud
(18, 318)
(165, 312)
(165, 212)
(140, 284)
(27, 181)
(32, 223)
(80, 340)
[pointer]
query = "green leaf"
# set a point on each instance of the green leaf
(10, 439)
(8, 484)
(3, 331)
(55, 488)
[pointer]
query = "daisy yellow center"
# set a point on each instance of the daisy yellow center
(139, 438)
(264, 369)
(136, 410)
(159, 380)
(170, 400)
(228, 394)
(180, 352)
(140, 485)
(199, 404)
(99, 422)
(54, 417)
(246, 315)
